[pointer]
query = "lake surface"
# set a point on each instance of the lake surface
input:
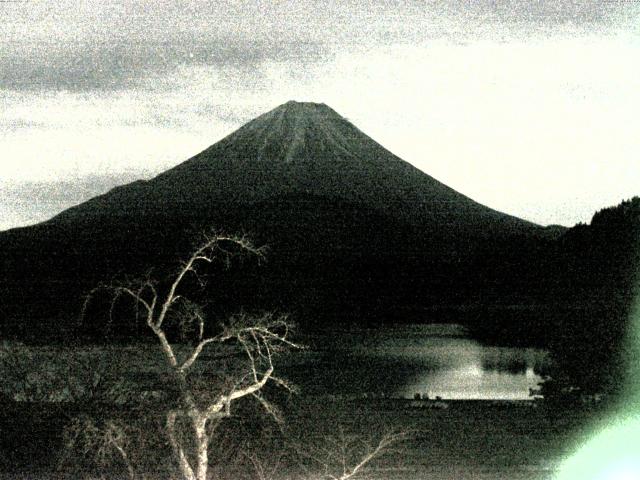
(434, 360)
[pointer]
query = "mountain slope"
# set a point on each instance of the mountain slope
(294, 149)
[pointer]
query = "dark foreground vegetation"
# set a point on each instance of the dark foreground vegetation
(467, 440)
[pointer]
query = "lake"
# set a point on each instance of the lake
(434, 360)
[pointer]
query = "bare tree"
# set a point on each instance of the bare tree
(106, 442)
(245, 346)
(341, 456)
(335, 456)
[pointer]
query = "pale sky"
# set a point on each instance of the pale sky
(531, 108)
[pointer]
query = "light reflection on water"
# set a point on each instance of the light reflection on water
(440, 361)
(462, 368)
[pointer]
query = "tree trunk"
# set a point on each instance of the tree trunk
(183, 463)
(202, 441)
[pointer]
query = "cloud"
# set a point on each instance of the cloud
(98, 46)
(124, 65)
(93, 46)
(16, 124)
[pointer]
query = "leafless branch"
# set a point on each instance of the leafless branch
(86, 437)
(197, 351)
(261, 470)
(206, 252)
(344, 457)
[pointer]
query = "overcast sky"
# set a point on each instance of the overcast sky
(530, 107)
